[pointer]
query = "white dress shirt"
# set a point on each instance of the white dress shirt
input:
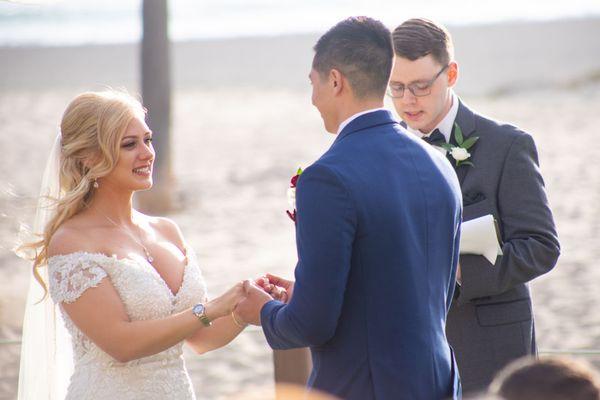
(353, 117)
(446, 124)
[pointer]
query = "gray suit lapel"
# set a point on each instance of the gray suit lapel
(465, 118)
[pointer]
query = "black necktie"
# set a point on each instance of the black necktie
(435, 139)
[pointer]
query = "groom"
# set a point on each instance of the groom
(377, 234)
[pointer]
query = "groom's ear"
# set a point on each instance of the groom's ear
(336, 79)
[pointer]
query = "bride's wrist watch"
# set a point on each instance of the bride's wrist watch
(199, 311)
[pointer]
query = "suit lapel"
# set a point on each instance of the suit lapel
(465, 118)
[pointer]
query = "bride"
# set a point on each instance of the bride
(125, 285)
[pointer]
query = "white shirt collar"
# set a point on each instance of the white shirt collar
(353, 117)
(446, 124)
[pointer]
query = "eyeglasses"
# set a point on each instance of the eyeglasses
(418, 89)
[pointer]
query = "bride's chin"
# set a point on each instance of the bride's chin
(143, 187)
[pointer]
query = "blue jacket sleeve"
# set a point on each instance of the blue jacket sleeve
(326, 224)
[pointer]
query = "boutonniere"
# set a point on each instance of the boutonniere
(460, 153)
(291, 195)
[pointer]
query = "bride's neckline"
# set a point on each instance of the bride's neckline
(139, 261)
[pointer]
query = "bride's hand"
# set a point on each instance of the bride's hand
(277, 292)
(225, 303)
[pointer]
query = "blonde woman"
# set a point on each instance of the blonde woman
(128, 287)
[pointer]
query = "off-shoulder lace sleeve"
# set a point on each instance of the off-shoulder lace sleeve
(72, 274)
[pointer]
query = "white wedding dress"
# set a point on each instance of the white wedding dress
(145, 295)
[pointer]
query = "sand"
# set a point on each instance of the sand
(240, 133)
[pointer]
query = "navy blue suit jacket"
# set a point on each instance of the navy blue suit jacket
(378, 227)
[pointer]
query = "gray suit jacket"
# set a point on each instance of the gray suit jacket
(490, 322)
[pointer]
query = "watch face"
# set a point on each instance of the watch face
(198, 309)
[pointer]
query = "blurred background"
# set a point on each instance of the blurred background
(238, 123)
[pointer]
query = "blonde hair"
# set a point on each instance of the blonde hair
(92, 127)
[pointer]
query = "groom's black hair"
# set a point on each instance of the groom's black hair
(361, 49)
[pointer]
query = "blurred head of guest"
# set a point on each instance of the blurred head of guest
(548, 378)
(285, 391)
(351, 69)
(424, 73)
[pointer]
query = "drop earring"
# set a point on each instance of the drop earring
(95, 183)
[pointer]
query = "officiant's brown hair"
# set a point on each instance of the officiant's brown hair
(418, 37)
(361, 49)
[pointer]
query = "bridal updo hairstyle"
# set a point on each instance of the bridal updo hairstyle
(361, 49)
(91, 129)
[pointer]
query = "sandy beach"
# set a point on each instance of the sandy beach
(242, 125)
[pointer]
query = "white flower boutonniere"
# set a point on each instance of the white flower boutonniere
(461, 153)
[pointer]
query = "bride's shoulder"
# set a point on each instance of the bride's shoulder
(74, 264)
(69, 238)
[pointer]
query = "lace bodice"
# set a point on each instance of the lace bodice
(145, 296)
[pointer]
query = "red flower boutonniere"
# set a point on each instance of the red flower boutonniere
(291, 195)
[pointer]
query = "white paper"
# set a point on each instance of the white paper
(479, 237)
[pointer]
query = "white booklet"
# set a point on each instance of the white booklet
(479, 236)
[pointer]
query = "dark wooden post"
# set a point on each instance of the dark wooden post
(291, 367)
(156, 96)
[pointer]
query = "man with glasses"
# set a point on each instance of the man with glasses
(490, 322)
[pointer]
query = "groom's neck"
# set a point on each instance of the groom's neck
(354, 106)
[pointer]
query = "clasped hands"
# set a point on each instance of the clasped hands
(257, 292)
